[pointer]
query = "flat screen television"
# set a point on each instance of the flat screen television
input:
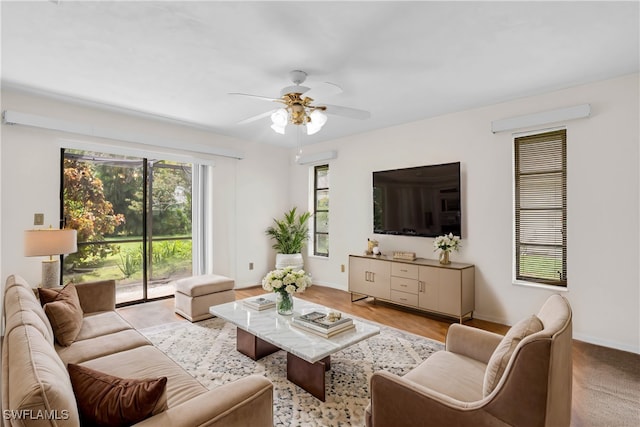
(419, 201)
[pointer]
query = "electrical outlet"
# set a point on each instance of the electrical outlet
(38, 219)
(342, 268)
(250, 266)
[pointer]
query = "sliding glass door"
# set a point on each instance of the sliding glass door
(133, 217)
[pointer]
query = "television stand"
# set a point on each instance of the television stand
(422, 284)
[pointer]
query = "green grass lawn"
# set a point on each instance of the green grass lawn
(170, 258)
(540, 266)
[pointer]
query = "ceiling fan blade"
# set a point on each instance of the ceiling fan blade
(294, 89)
(323, 90)
(256, 117)
(352, 113)
(265, 98)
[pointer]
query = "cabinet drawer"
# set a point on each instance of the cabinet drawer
(404, 298)
(404, 285)
(404, 270)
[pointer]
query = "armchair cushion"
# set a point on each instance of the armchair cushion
(502, 354)
(437, 373)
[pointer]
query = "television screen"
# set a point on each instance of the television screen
(420, 201)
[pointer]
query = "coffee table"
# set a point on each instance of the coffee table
(261, 333)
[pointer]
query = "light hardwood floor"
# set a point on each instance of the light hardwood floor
(416, 322)
(603, 377)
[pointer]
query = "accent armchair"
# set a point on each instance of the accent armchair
(486, 379)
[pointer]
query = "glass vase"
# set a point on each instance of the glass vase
(284, 303)
(444, 258)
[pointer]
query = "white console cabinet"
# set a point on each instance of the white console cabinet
(423, 284)
(369, 276)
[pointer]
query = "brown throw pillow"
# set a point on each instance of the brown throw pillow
(62, 307)
(105, 400)
(500, 357)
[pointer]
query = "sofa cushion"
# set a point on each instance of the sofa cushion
(181, 387)
(80, 351)
(21, 305)
(62, 307)
(106, 400)
(99, 324)
(38, 379)
(500, 357)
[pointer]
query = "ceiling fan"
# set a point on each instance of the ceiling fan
(298, 108)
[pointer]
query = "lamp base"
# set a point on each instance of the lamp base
(50, 273)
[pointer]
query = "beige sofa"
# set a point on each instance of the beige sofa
(530, 385)
(36, 384)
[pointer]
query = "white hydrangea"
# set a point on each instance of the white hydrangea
(287, 280)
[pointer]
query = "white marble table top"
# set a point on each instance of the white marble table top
(277, 329)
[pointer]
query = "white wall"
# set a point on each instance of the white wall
(246, 193)
(603, 185)
(603, 205)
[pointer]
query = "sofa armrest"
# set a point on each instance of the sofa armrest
(245, 402)
(398, 402)
(97, 296)
(475, 343)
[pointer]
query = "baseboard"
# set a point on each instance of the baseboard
(492, 319)
(606, 343)
(329, 285)
(580, 337)
(246, 285)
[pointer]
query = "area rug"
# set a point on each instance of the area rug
(207, 350)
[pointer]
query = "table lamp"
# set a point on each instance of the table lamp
(50, 242)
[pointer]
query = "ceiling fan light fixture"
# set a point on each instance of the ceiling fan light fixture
(317, 119)
(279, 119)
(299, 110)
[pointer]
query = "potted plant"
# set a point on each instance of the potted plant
(290, 235)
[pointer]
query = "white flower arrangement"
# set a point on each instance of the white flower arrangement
(286, 280)
(447, 243)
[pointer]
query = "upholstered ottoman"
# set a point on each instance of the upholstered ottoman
(194, 295)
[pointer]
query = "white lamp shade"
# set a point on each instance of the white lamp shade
(318, 119)
(279, 118)
(278, 129)
(49, 242)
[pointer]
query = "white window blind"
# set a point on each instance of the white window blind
(541, 208)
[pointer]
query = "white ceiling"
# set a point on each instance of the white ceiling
(403, 61)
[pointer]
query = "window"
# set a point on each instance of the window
(321, 210)
(541, 208)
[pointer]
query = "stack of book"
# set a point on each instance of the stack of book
(320, 324)
(259, 303)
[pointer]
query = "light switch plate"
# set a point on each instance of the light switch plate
(38, 219)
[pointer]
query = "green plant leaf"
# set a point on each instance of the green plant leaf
(290, 233)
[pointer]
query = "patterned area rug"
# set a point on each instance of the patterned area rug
(207, 350)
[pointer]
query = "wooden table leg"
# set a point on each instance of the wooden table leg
(309, 376)
(252, 346)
